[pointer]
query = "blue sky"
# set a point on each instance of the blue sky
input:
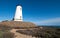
(41, 12)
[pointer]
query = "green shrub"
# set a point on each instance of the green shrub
(6, 35)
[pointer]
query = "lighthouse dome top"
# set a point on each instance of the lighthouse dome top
(19, 5)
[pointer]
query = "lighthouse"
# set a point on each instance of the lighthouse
(18, 14)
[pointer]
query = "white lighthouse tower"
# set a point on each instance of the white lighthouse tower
(18, 14)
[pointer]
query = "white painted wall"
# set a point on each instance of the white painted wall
(18, 14)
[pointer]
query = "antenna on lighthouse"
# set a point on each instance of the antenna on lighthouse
(18, 14)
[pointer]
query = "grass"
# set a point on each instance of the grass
(45, 32)
(5, 32)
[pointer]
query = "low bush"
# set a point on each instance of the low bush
(6, 35)
(42, 33)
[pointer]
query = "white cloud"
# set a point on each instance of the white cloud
(53, 21)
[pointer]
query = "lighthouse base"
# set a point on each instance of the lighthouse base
(17, 19)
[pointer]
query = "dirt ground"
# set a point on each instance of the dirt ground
(19, 35)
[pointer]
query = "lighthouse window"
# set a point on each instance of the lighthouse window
(20, 9)
(20, 16)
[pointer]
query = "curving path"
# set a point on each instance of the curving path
(19, 35)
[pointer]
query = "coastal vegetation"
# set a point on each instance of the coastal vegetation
(38, 31)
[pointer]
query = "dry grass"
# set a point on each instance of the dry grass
(6, 26)
(45, 32)
(18, 24)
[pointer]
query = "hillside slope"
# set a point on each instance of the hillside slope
(18, 24)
